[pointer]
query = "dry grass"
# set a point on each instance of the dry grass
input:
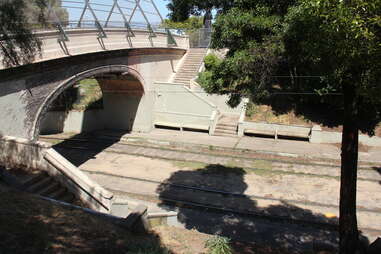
(32, 225)
(264, 113)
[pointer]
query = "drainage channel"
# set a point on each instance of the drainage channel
(206, 208)
(182, 195)
(111, 141)
(148, 153)
(226, 193)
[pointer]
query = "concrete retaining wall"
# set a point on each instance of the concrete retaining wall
(273, 129)
(319, 136)
(220, 101)
(178, 106)
(314, 134)
(18, 152)
(72, 121)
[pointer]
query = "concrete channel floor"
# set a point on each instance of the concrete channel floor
(267, 145)
(109, 166)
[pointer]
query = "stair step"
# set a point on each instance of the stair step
(227, 124)
(40, 185)
(187, 74)
(226, 128)
(54, 186)
(34, 178)
(182, 70)
(225, 135)
(225, 131)
(183, 78)
(191, 65)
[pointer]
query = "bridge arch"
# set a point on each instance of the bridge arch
(96, 73)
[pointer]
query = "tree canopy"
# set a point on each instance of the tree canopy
(311, 48)
(190, 24)
(181, 10)
(322, 53)
(18, 45)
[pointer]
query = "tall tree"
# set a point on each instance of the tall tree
(181, 10)
(337, 41)
(342, 39)
(18, 45)
(36, 11)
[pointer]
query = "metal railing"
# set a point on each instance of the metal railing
(127, 14)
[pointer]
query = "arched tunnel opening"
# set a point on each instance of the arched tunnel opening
(105, 102)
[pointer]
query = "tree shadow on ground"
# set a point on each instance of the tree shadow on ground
(273, 224)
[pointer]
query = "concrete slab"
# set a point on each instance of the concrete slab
(291, 148)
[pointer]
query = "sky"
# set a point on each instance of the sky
(102, 7)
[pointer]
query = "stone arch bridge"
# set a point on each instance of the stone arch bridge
(26, 91)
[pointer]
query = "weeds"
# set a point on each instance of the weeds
(218, 245)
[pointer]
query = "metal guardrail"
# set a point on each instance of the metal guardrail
(113, 13)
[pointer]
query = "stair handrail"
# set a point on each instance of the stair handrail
(214, 121)
(90, 188)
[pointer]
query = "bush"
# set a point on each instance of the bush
(211, 61)
(218, 245)
(251, 109)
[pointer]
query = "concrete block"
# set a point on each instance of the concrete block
(316, 136)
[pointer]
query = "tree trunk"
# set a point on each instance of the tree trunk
(348, 184)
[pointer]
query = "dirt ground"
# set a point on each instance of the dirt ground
(264, 113)
(31, 225)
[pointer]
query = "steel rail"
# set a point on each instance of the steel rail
(102, 140)
(227, 193)
(221, 209)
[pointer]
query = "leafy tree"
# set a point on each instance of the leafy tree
(181, 10)
(336, 42)
(18, 45)
(36, 11)
(190, 24)
(342, 40)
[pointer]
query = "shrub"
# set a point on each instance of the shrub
(218, 245)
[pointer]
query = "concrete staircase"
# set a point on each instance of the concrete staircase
(190, 66)
(42, 184)
(227, 126)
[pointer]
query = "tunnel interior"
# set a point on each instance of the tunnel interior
(104, 102)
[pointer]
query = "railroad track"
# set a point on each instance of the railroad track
(283, 167)
(149, 151)
(326, 223)
(179, 149)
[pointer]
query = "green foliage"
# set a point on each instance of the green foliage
(342, 41)
(18, 45)
(181, 10)
(251, 109)
(190, 24)
(272, 44)
(211, 61)
(36, 12)
(218, 245)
